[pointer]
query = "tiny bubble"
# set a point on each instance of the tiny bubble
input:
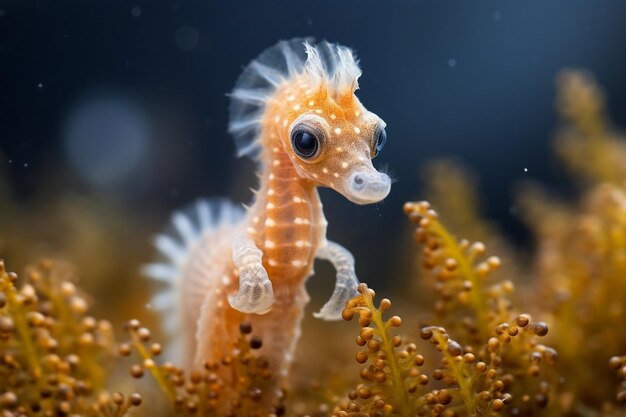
(40, 85)
(525, 169)
(496, 15)
(135, 11)
(452, 63)
(309, 22)
(10, 161)
(25, 164)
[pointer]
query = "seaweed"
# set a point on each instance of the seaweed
(53, 356)
(495, 362)
(236, 386)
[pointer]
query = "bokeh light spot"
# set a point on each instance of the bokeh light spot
(106, 139)
(186, 38)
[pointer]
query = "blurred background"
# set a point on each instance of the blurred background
(113, 114)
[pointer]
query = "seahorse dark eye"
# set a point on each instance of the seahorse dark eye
(381, 139)
(304, 143)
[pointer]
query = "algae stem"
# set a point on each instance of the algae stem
(388, 347)
(21, 326)
(154, 370)
(467, 271)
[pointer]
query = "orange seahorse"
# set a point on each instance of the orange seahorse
(294, 109)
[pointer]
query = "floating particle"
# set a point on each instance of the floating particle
(452, 62)
(135, 11)
(525, 169)
(40, 85)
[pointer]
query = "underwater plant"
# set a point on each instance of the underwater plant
(54, 357)
(494, 364)
(580, 257)
(247, 391)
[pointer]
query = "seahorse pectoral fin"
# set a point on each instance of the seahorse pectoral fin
(346, 283)
(256, 294)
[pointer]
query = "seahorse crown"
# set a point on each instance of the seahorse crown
(324, 64)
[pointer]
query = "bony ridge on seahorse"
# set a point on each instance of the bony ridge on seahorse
(295, 111)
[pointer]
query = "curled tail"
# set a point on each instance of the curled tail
(188, 250)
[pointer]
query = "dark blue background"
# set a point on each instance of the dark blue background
(494, 109)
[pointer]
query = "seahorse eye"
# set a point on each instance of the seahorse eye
(304, 143)
(381, 139)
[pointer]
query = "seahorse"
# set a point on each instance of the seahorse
(294, 110)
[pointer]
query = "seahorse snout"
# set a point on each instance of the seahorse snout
(366, 187)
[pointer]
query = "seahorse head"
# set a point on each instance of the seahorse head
(311, 113)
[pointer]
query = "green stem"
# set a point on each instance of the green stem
(397, 382)
(456, 368)
(23, 331)
(154, 370)
(467, 270)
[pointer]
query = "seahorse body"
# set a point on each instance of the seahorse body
(295, 111)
